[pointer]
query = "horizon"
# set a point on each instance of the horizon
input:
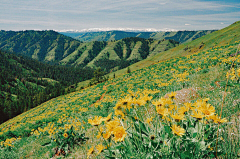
(108, 30)
(104, 15)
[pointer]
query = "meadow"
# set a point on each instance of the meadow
(184, 107)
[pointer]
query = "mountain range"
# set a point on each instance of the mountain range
(180, 36)
(123, 49)
(55, 48)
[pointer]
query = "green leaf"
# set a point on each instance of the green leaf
(198, 127)
(118, 146)
(167, 129)
(194, 135)
(150, 144)
(149, 156)
(192, 130)
(110, 157)
(141, 128)
(202, 145)
(46, 144)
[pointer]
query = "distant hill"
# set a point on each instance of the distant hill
(221, 37)
(180, 36)
(55, 48)
(117, 54)
(47, 46)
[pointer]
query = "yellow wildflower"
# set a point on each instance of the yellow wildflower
(90, 151)
(168, 100)
(217, 119)
(147, 98)
(100, 148)
(108, 118)
(162, 111)
(149, 120)
(123, 103)
(183, 109)
(178, 117)
(159, 103)
(99, 135)
(96, 121)
(205, 100)
(188, 105)
(140, 102)
(152, 137)
(119, 133)
(177, 130)
(238, 72)
(107, 135)
(65, 135)
(198, 115)
(207, 110)
(111, 125)
(119, 112)
(172, 95)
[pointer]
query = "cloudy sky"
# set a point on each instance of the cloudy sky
(137, 14)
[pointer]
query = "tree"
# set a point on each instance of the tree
(98, 76)
(128, 70)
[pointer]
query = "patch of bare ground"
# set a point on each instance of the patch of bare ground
(185, 95)
(102, 96)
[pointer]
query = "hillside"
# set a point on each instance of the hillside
(179, 36)
(169, 109)
(46, 46)
(54, 48)
(221, 37)
(26, 83)
(116, 55)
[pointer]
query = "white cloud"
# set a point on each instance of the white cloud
(120, 29)
(82, 14)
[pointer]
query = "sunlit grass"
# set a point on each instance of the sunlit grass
(202, 72)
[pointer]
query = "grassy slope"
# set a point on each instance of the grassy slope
(220, 37)
(76, 105)
(103, 54)
(82, 57)
(135, 52)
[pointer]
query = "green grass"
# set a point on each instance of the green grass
(204, 68)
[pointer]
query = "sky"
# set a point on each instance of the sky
(152, 15)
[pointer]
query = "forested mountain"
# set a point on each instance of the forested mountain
(26, 83)
(52, 47)
(180, 36)
(47, 46)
